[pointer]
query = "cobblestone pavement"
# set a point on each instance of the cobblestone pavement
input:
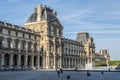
(52, 75)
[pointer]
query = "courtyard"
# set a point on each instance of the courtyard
(66, 75)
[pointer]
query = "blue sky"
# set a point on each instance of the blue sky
(100, 18)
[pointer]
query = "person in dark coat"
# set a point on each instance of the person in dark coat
(61, 70)
(88, 73)
(58, 72)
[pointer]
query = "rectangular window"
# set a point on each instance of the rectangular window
(0, 30)
(9, 32)
(9, 44)
(35, 47)
(0, 44)
(16, 33)
(23, 35)
(35, 37)
(16, 45)
(23, 46)
(29, 36)
(29, 47)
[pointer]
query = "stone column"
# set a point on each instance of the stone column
(72, 62)
(11, 61)
(19, 61)
(54, 66)
(66, 63)
(32, 62)
(2, 60)
(69, 62)
(54, 54)
(75, 62)
(60, 58)
(47, 61)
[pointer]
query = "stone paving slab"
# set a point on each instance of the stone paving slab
(52, 75)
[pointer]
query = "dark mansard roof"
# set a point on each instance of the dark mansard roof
(46, 14)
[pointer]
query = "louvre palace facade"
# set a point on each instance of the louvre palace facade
(40, 44)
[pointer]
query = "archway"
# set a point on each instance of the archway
(35, 60)
(41, 61)
(7, 59)
(29, 60)
(22, 60)
(15, 60)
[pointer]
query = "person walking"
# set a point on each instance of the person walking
(58, 72)
(88, 73)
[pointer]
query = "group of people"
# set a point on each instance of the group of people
(59, 71)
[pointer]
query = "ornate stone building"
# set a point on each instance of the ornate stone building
(102, 56)
(74, 55)
(89, 47)
(40, 44)
(19, 47)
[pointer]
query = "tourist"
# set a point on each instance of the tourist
(88, 73)
(102, 72)
(58, 72)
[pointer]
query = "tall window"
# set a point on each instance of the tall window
(23, 45)
(16, 44)
(9, 32)
(29, 46)
(0, 30)
(16, 33)
(35, 47)
(23, 35)
(35, 37)
(52, 30)
(29, 36)
(9, 40)
(0, 44)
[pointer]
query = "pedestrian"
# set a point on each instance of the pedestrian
(61, 70)
(58, 72)
(88, 73)
(56, 69)
(102, 72)
(76, 69)
(108, 69)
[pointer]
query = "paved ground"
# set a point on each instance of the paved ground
(52, 75)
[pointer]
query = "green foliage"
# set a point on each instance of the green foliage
(103, 63)
(114, 63)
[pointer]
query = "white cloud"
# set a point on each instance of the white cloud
(8, 1)
(12, 1)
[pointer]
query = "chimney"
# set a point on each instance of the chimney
(39, 12)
